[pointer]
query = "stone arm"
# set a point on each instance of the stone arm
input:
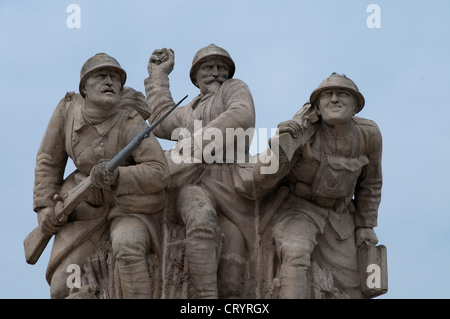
(159, 98)
(270, 169)
(266, 180)
(51, 161)
(367, 196)
(149, 173)
(239, 107)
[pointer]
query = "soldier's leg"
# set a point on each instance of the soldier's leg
(87, 226)
(339, 257)
(130, 243)
(295, 239)
(232, 261)
(197, 210)
(60, 283)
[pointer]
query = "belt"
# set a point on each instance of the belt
(304, 191)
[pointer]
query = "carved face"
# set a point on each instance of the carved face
(211, 74)
(336, 106)
(102, 88)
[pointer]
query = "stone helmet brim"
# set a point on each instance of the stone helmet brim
(210, 51)
(339, 81)
(100, 61)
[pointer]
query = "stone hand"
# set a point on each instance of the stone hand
(47, 220)
(292, 127)
(366, 235)
(162, 60)
(101, 177)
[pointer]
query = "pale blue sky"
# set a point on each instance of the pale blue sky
(282, 50)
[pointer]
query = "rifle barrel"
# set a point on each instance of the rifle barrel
(137, 140)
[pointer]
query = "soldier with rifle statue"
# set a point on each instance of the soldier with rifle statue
(123, 196)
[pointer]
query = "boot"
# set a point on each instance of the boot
(231, 276)
(135, 281)
(294, 283)
(201, 248)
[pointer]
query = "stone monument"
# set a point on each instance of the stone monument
(203, 220)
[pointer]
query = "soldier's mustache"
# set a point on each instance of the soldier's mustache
(108, 90)
(212, 80)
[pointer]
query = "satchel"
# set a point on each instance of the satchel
(372, 262)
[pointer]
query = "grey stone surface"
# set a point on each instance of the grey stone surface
(202, 220)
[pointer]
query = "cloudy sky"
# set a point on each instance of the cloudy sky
(398, 55)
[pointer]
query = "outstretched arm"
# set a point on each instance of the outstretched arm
(158, 95)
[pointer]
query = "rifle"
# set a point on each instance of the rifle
(37, 240)
(306, 117)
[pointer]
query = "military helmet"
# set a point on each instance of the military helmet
(339, 81)
(210, 50)
(98, 61)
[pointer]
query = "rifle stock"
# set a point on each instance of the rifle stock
(37, 240)
(35, 244)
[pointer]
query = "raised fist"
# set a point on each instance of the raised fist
(161, 60)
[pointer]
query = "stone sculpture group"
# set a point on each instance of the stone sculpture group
(206, 219)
